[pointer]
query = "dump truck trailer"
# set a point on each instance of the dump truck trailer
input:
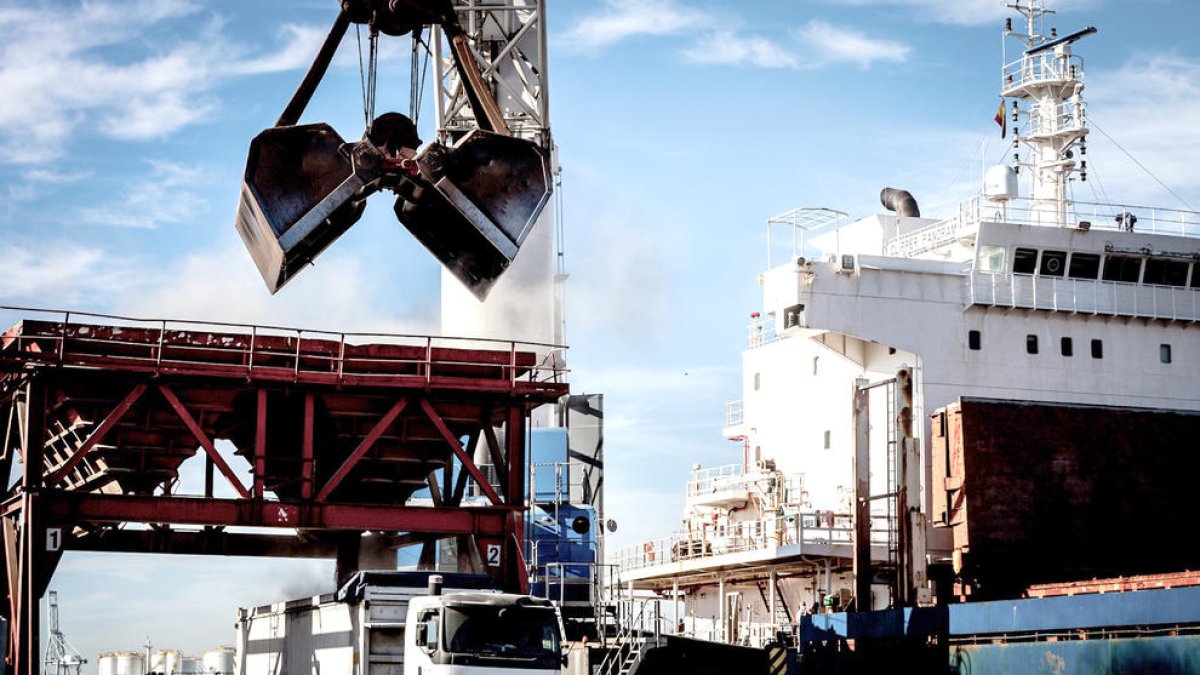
(403, 623)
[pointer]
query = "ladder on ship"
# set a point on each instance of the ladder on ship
(782, 615)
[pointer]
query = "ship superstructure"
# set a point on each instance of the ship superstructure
(1023, 295)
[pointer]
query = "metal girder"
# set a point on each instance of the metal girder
(98, 433)
(203, 439)
(367, 443)
(203, 543)
(493, 445)
(467, 462)
(69, 506)
(510, 48)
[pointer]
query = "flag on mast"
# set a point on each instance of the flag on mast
(1002, 118)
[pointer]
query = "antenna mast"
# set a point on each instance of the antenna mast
(1046, 83)
(61, 657)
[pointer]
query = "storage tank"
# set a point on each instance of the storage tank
(165, 661)
(219, 661)
(121, 663)
(189, 665)
(106, 664)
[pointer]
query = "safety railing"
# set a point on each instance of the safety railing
(1024, 211)
(1040, 68)
(556, 482)
(64, 337)
(808, 528)
(638, 620)
(1084, 296)
(706, 481)
(762, 331)
(1069, 116)
(734, 413)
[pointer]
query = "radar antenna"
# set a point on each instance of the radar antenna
(1045, 83)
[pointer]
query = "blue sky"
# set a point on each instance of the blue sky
(682, 125)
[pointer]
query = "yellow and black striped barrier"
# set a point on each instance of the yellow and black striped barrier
(778, 659)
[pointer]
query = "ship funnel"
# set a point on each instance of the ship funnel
(901, 202)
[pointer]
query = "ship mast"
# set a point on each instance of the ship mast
(1046, 85)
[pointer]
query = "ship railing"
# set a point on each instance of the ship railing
(734, 413)
(61, 337)
(1084, 296)
(1043, 67)
(762, 331)
(1068, 116)
(713, 479)
(807, 528)
(964, 224)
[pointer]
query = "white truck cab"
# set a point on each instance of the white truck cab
(482, 634)
(402, 623)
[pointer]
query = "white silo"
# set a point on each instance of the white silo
(106, 663)
(165, 661)
(129, 663)
(219, 661)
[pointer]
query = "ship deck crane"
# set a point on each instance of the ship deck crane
(61, 657)
(471, 199)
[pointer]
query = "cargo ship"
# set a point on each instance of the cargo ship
(960, 429)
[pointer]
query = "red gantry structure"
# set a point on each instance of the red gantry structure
(339, 431)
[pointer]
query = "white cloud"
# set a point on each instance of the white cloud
(623, 19)
(164, 198)
(59, 75)
(1162, 136)
(222, 284)
(729, 48)
(827, 43)
(960, 12)
(61, 273)
(300, 45)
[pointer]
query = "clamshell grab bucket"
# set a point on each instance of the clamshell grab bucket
(301, 191)
(473, 205)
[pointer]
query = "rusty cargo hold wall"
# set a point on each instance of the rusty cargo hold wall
(1040, 493)
(337, 432)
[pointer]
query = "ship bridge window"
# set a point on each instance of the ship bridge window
(974, 339)
(1122, 268)
(1031, 346)
(1164, 353)
(1097, 349)
(1084, 266)
(1068, 347)
(991, 259)
(1054, 263)
(1196, 276)
(1025, 261)
(1165, 272)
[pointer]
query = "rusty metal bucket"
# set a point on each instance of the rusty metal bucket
(301, 191)
(471, 205)
(475, 204)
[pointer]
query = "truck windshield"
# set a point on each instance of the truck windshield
(526, 632)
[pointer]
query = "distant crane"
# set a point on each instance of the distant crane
(61, 657)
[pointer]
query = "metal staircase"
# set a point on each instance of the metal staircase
(637, 631)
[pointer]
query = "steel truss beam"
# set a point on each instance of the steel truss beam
(39, 519)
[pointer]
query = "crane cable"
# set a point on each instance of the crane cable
(417, 76)
(367, 73)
